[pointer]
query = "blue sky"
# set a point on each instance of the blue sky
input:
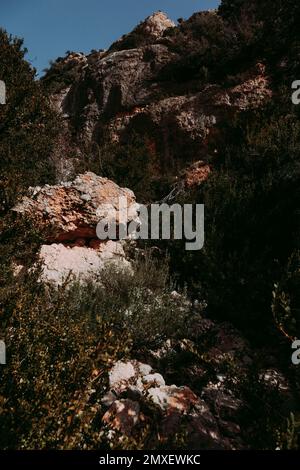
(51, 27)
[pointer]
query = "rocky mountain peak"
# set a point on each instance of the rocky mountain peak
(155, 24)
(147, 32)
(154, 82)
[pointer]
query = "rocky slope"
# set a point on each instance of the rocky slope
(126, 357)
(109, 95)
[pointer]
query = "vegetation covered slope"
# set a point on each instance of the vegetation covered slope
(247, 273)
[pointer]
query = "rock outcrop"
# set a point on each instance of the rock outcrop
(133, 387)
(63, 263)
(146, 32)
(130, 89)
(211, 397)
(69, 214)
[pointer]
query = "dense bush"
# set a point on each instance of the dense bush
(131, 164)
(62, 73)
(211, 46)
(286, 299)
(252, 219)
(28, 126)
(274, 25)
(62, 342)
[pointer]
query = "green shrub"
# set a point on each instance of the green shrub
(61, 73)
(252, 220)
(62, 342)
(28, 126)
(286, 300)
(130, 164)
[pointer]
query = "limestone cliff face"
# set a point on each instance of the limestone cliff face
(131, 89)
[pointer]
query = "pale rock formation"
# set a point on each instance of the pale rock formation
(73, 209)
(70, 213)
(130, 382)
(62, 263)
(156, 24)
(132, 375)
(150, 30)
